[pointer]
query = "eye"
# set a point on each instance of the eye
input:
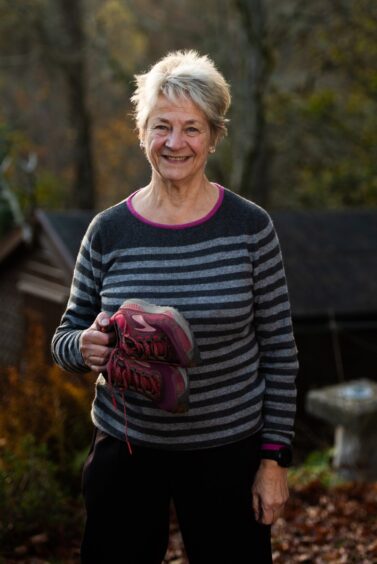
(160, 127)
(192, 130)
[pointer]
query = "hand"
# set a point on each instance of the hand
(95, 343)
(270, 492)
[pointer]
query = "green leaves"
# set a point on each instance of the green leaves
(325, 132)
(31, 498)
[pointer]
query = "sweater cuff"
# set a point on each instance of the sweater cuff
(271, 446)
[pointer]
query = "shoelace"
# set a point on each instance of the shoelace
(133, 377)
(157, 347)
(123, 377)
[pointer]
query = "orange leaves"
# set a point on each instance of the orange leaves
(328, 525)
(43, 401)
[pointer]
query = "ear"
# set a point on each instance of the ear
(142, 138)
(215, 137)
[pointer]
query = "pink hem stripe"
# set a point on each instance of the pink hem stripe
(271, 446)
(210, 214)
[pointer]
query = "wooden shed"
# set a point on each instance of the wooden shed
(35, 277)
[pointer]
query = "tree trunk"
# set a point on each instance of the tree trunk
(253, 173)
(74, 71)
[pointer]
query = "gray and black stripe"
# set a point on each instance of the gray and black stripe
(226, 277)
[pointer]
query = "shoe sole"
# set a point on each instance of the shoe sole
(179, 404)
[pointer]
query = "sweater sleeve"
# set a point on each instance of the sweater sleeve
(83, 305)
(278, 354)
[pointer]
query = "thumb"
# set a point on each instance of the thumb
(102, 321)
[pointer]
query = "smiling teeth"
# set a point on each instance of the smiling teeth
(176, 158)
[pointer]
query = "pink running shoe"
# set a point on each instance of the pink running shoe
(164, 384)
(153, 333)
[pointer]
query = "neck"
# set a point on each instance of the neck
(180, 194)
(166, 202)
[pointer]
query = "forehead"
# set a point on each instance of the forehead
(182, 109)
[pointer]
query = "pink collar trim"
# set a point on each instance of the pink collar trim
(208, 216)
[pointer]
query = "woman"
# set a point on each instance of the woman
(185, 242)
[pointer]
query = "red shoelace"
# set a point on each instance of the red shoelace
(157, 347)
(123, 376)
(152, 347)
(126, 376)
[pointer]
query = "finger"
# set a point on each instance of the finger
(257, 507)
(105, 325)
(94, 337)
(271, 515)
(97, 356)
(97, 361)
(97, 367)
(103, 322)
(268, 516)
(102, 351)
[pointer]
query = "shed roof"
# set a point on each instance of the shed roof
(331, 261)
(66, 229)
(330, 257)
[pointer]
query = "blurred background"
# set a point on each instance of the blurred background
(302, 143)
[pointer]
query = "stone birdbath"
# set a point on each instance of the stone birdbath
(351, 407)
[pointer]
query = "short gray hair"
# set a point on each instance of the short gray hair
(187, 74)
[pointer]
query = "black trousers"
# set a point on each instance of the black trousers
(128, 499)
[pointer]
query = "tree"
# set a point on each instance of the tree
(53, 34)
(302, 74)
(73, 67)
(322, 104)
(252, 166)
(62, 36)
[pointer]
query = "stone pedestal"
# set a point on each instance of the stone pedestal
(351, 408)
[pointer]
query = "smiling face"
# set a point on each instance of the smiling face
(177, 140)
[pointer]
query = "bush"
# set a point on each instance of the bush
(316, 468)
(47, 403)
(45, 436)
(31, 498)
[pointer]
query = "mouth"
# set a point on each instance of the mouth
(171, 159)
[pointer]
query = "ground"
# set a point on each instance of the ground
(320, 525)
(336, 525)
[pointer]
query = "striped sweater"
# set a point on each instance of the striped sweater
(225, 274)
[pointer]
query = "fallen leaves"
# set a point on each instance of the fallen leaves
(320, 525)
(176, 553)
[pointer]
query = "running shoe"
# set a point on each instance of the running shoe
(154, 333)
(166, 385)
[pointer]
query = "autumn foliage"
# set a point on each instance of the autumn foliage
(45, 431)
(328, 525)
(43, 401)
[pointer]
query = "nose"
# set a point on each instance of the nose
(175, 139)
